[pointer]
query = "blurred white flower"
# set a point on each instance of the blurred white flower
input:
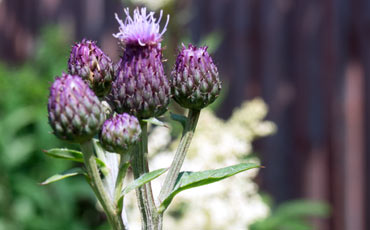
(231, 204)
(158, 139)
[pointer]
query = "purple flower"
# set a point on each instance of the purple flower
(143, 28)
(195, 82)
(141, 87)
(75, 112)
(89, 62)
(120, 132)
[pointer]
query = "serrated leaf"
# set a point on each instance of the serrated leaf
(187, 180)
(70, 154)
(63, 175)
(179, 118)
(143, 179)
(155, 121)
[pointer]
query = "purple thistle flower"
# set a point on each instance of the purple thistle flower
(143, 28)
(89, 62)
(75, 112)
(141, 87)
(195, 82)
(120, 132)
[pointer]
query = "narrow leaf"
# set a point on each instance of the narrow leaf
(143, 179)
(70, 154)
(63, 175)
(101, 157)
(155, 121)
(187, 180)
(64, 153)
(179, 118)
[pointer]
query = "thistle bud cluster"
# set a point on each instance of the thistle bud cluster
(112, 101)
(137, 87)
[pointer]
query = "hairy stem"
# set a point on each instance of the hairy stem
(149, 215)
(181, 151)
(96, 183)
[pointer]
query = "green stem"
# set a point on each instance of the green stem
(123, 166)
(113, 217)
(181, 151)
(149, 215)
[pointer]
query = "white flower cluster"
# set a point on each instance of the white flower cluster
(230, 204)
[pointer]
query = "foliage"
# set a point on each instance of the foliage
(292, 215)
(24, 204)
(143, 179)
(187, 180)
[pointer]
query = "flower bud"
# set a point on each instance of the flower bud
(75, 112)
(141, 87)
(120, 132)
(195, 82)
(89, 62)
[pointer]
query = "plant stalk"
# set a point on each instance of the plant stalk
(182, 149)
(151, 220)
(96, 183)
(123, 166)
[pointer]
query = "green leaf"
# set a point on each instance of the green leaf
(179, 118)
(100, 153)
(303, 208)
(143, 179)
(63, 175)
(187, 180)
(155, 121)
(293, 215)
(16, 120)
(70, 154)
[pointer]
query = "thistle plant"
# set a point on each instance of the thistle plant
(114, 140)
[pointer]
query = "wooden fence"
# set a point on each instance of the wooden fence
(310, 61)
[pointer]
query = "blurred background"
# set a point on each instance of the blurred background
(309, 60)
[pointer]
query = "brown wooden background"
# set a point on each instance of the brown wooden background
(309, 59)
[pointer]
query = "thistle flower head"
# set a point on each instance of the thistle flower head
(142, 29)
(195, 82)
(120, 132)
(141, 88)
(89, 62)
(75, 112)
